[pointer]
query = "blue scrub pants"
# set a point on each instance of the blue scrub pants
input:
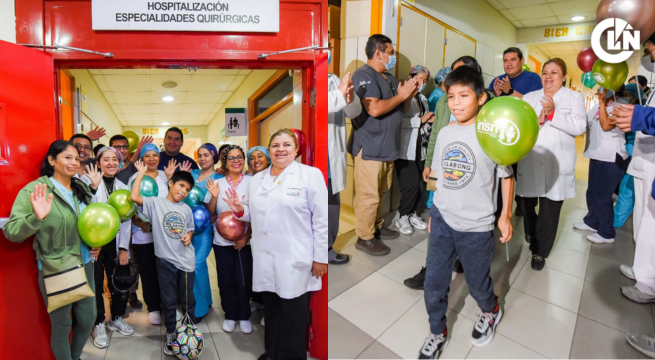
(201, 289)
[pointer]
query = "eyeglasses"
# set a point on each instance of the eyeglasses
(235, 158)
(121, 147)
(83, 147)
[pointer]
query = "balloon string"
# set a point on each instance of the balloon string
(639, 90)
(507, 251)
(241, 264)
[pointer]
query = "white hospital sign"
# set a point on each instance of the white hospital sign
(620, 36)
(198, 15)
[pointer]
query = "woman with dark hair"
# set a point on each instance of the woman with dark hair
(258, 159)
(546, 175)
(48, 209)
(202, 240)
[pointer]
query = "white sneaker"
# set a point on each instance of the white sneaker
(246, 326)
(100, 339)
(254, 306)
(403, 225)
(627, 271)
(584, 227)
(262, 322)
(417, 222)
(634, 294)
(178, 315)
(643, 343)
(229, 325)
(595, 238)
(154, 317)
(168, 344)
(121, 326)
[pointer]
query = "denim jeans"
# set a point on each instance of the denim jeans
(174, 284)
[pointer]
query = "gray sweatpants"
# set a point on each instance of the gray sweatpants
(475, 250)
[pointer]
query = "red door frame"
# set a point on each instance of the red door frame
(302, 23)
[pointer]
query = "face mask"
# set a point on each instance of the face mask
(422, 88)
(647, 63)
(392, 62)
(329, 57)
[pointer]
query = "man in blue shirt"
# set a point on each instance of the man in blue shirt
(173, 141)
(515, 82)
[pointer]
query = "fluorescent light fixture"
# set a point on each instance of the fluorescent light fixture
(165, 123)
(578, 18)
(168, 98)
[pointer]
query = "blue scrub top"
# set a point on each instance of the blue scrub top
(203, 186)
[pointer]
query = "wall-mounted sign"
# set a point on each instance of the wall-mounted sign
(235, 122)
(159, 132)
(195, 15)
(572, 32)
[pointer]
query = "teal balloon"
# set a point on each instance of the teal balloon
(588, 80)
(149, 187)
(507, 129)
(526, 67)
(610, 76)
(120, 200)
(195, 197)
(98, 224)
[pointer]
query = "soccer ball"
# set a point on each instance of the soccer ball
(187, 344)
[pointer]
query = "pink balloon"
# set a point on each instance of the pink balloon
(586, 59)
(301, 141)
(638, 13)
(229, 227)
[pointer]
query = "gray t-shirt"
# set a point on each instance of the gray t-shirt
(377, 137)
(468, 180)
(170, 221)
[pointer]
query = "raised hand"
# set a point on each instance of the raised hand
(170, 169)
(344, 84)
(213, 187)
(140, 167)
(91, 171)
(40, 203)
(233, 201)
(144, 140)
(96, 134)
(186, 166)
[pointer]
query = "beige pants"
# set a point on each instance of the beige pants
(372, 181)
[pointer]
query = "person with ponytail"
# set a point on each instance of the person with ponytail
(48, 208)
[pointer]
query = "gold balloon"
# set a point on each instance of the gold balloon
(132, 140)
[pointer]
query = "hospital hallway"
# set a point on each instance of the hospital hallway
(573, 308)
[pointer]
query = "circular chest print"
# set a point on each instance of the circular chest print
(174, 225)
(458, 165)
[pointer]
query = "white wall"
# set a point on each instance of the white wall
(98, 109)
(7, 21)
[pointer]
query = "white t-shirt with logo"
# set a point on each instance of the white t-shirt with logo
(468, 180)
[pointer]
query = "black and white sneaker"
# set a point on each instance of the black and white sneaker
(485, 327)
(434, 345)
(168, 345)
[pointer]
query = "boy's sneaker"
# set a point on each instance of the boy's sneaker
(417, 222)
(99, 334)
(404, 226)
(627, 271)
(584, 227)
(178, 315)
(154, 317)
(643, 343)
(168, 344)
(484, 329)
(121, 326)
(434, 345)
(416, 282)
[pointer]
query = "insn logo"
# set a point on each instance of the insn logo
(505, 130)
(622, 37)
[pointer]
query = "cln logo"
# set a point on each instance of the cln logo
(622, 37)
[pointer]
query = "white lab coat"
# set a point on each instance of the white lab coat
(289, 229)
(549, 168)
(338, 110)
(603, 145)
(410, 126)
(138, 236)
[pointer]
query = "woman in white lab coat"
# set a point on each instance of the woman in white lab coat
(546, 176)
(287, 208)
(102, 182)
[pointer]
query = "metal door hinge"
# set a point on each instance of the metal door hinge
(401, 21)
(312, 98)
(445, 41)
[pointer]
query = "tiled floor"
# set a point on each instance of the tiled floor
(571, 309)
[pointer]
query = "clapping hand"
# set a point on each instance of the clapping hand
(40, 203)
(233, 201)
(408, 89)
(96, 134)
(504, 85)
(213, 187)
(347, 89)
(92, 173)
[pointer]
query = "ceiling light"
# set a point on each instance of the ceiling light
(168, 98)
(165, 123)
(578, 18)
(169, 84)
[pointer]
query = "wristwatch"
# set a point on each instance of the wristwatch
(511, 91)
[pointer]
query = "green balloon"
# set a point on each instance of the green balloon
(610, 76)
(149, 187)
(588, 80)
(120, 200)
(195, 197)
(98, 224)
(507, 129)
(526, 67)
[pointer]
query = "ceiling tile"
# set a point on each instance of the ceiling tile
(551, 20)
(109, 96)
(166, 108)
(210, 83)
(157, 96)
(138, 117)
(226, 96)
(236, 83)
(521, 3)
(130, 97)
(574, 7)
(216, 108)
(193, 122)
(507, 15)
(203, 97)
(116, 108)
(135, 109)
(181, 80)
(127, 82)
(518, 24)
(95, 71)
(217, 72)
(197, 108)
(139, 123)
(157, 119)
(244, 72)
(100, 81)
(124, 71)
(566, 19)
(531, 12)
(496, 4)
(184, 71)
(193, 117)
(120, 117)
